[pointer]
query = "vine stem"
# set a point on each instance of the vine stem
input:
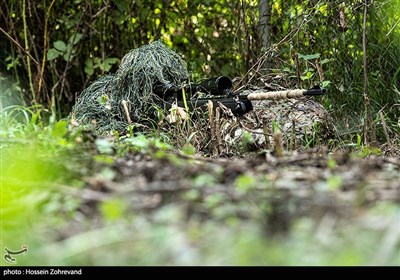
(28, 58)
(368, 122)
(46, 20)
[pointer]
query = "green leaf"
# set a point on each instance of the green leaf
(204, 180)
(106, 159)
(247, 138)
(108, 63)
(192, 195)
(102, 99)
(113, 209)
(60, 46)
(309, 56)
(331, 163)
(214, 200)
(104, 146)
(68, 55)
(334, 182)
(59, 129)
(89, 62)
(188, 149)
(76, 38)
(52, 54)
(244, 183)
(326, 60)
(89, 69)
(326, 83)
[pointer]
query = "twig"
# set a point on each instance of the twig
(394, 161)
(46, 19)
(28, 62)
(68, 64)
(218, 130)
(293, 135)
(266, 134)
(252, 130)
(384, 126)
(212, 127)
(18, 45)
(128, 117)
(278, 148)
(393, 27)
(367, 105)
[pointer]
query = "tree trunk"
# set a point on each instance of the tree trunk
(264, 28)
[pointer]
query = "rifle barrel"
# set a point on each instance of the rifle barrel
(285, 94)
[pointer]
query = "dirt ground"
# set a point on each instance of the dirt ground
(331, 189)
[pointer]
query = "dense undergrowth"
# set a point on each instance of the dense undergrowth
(57, 198)
(74, 198)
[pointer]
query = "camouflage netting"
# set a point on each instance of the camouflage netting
(139, 71)
(301, 122)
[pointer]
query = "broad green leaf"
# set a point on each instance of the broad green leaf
(89, 69)
(60, 46)
(89, 62)
(52, 54)
(59, 129)
(108, 63)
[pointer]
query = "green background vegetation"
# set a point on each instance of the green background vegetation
(72, 43)
(78, 41)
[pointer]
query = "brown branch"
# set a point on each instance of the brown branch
(367, 104)
(18, 45)
(214, 141)
(128, 117)
(218, 129)
(385, 131)
(44, 46)
(68, 64)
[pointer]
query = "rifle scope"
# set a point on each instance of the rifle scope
(221, 85)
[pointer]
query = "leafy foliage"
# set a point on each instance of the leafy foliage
(64, 192)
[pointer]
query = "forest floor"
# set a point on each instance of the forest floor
(76, 198)
(306, 208)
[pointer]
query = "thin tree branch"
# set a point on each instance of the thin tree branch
(19, 46)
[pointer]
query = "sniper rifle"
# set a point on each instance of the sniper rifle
(219, 90)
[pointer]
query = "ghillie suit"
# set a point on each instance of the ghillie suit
(115, 101)
(102, 103)
(300, 122)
